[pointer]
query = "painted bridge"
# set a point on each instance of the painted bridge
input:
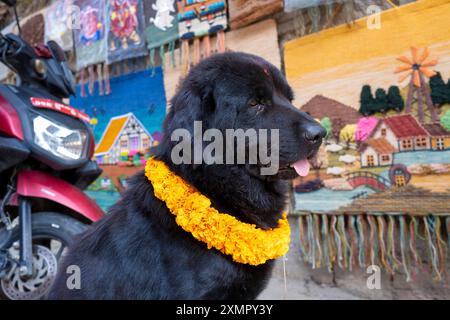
(369, 179)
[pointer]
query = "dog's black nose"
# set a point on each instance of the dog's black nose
(314, 133)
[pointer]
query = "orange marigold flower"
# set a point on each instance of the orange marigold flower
(243, 241)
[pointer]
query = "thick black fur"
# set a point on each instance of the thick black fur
(139, 252)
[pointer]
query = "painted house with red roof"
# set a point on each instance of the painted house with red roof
(393, 134)
(403, 132)
(439, 136)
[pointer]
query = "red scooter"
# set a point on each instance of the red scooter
(46, 148)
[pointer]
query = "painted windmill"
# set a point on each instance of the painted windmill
(417, 69)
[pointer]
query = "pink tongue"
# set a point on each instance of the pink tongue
(301, 167)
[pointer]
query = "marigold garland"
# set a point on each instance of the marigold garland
(244, 242)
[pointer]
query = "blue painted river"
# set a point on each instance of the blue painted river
(325, 200)
(422, 157)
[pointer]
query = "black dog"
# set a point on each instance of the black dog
(139, 252)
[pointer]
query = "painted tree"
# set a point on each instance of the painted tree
(395, 100)
(440, 92)
(336, 124)
(445, 120)
(347, 134)
(381, 100)
(326, 123)
(448, 90)
(366, 101)
(417, 70)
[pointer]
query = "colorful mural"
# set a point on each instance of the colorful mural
(124, 137)
(126, 124)
(385, 165)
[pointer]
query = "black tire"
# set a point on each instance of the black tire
(47, 226)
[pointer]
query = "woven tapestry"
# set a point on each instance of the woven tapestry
(90, 39)
(200, 21)
(197, 18)
(378, 192)
(126, 125)
(91, 46)
(161, 28)
(161, 22)
(244, 12)
(125, 21)
(57, 16)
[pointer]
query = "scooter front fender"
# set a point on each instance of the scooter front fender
(43, 185)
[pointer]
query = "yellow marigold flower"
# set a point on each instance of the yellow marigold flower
(244, 242)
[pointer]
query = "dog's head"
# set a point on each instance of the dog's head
(249, 95)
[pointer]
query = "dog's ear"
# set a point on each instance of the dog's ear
(187, 106)
(207, 99)
(193, 101)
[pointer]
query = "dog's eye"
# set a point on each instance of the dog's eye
(253, 103)
(259, 106)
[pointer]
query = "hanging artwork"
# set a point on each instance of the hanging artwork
(243, 12)
(161, 26)
(197, 18)
(90, 39)
(383, 174)
(57, 18)
(125, 30)
(126, 124)
(91, 46)
(200, 20)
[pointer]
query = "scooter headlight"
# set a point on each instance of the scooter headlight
(62, 142)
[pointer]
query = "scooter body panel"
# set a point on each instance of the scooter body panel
(43, 185)
(9, 120)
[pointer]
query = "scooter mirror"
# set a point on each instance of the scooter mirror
(57, 51)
